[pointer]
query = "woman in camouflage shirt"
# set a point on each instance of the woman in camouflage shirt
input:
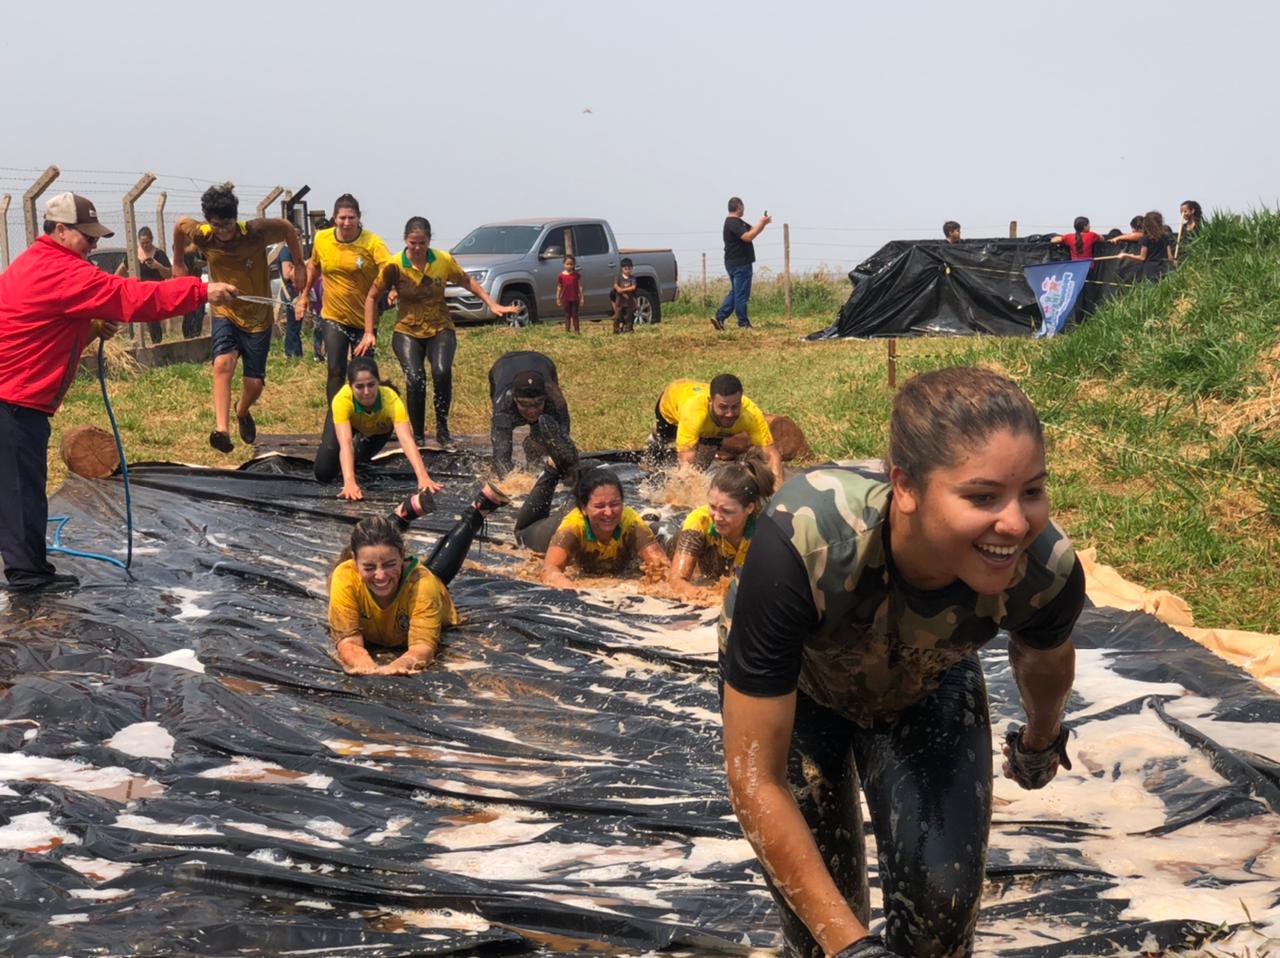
(848, 657)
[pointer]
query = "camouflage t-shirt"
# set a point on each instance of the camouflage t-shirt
(820, 607)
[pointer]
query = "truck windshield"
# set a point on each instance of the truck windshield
(499, 239)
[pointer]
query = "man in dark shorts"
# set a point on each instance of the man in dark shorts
(237, 253)
(525, 391)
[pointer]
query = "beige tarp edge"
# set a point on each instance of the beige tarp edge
(1255, 652)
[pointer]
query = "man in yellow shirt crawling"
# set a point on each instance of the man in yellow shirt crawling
(698, 416)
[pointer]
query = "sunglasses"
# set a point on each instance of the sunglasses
(91, 240)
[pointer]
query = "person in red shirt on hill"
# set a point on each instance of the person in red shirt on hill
(1080, 245)
(52, 302)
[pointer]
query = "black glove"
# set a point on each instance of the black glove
(1035, 769)
(870, 947)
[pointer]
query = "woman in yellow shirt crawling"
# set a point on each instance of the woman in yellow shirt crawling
(601, 535)
(381, 599)
(714, 539)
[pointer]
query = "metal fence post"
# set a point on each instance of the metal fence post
(4, 231)
(130, 240)
(29, 200)
(786, 265)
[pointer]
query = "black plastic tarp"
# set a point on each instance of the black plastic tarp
(921, 287)
(184, 770)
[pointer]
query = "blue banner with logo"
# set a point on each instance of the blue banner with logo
(1056, 287)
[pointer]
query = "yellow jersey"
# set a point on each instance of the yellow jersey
(349, 269)
(378, 420)
(420, 304)
(686, 404)
(416, 614)
(596, 557)
(716, 555)
(241, 261)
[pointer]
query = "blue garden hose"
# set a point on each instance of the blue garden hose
(61, 521)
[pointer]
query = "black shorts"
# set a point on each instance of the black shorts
(227, 337)
(665, 431)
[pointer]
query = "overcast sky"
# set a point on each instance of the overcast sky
(855, 123)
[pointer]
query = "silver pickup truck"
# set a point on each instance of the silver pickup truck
(517, 262)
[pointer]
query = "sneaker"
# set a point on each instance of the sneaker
(56, 582)
(220, 441)
(490, 498)
(248, 428)
(414, 507)
(718, 323)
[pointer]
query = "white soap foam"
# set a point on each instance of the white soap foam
(33, 831)
(179, 659)
(143, 740)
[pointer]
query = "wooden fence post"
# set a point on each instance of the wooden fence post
(29, 201)
(268, 200)
(131, 239)
(161, 239)
(786, 266)
(704, 275)
(4, 231)
(1013, 229)
(891, 363)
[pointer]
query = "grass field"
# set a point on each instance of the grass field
(1161, 410)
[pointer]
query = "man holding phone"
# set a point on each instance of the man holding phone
(739, 255)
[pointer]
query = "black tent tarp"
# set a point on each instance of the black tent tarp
(922, 287)
(185, 771)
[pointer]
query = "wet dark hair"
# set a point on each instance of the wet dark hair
(345, 201)
(1197, 214)
(735, 204)
(1153, 226)
(592, 480)
(360, 364)
(415, 223)
(219, 202)
(949, 227)
(939, 416)
(726, 384)
(748, 481)
(373, 531)
(1080, 225)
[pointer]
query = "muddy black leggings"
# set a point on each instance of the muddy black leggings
(340, 341)
(927, 780)
(328, 465)
(451, 548)
(414, 354)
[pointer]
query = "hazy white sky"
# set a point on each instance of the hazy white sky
(854, 123)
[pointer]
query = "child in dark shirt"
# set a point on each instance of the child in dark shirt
(569, 294)
(624, 302)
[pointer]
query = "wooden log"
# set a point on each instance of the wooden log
(90, 452)
(787, 436)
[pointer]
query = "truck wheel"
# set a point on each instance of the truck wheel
(526, 312)
(648, 309)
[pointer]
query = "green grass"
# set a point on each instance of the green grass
(1180, 375)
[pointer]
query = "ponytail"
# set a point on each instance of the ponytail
(749, 481)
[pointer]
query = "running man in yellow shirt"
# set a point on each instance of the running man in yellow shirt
(348, 258)
(698, 416)
(237, 254)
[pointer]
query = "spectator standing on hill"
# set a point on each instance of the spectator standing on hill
(951, 230)
(193, 322)
(241, 331)
(289, 274)
(569, 294)
(1081, 244)
(1192, 219)
(739, 255)
(1156, 246)
(153, 266)
(1134, 234)
(53, 301)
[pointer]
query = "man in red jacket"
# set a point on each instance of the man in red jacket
(49, 298)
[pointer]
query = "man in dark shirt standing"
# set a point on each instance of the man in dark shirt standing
(739, 254)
